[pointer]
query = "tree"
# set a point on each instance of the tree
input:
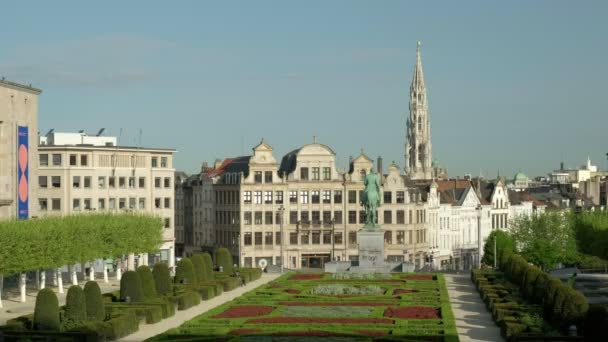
(147, 282)
(545, 239)
(184, 273)
(198, 262)
(223, 258)
(162, 278)
(94, 303)
(130, 287)
(46, 312)
(75, 305)
(504, 242)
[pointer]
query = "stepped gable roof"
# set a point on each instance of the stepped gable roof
(449, 191)
(232, 165)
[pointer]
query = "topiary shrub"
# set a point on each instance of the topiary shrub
(147, 282)
(223, 259)
(184, 273)
(130, 286)
(540, 286)
(75, 305)
(561, 295)
(94, 302)
(549, 295)
(574, 308)
(162, 278)
(46, 312)
(208, 267)
(532, 273)
(199, 267)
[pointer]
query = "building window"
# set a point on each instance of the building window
(112, 182)
(388, 237)
(167, 202)
(247, 239)
(43, 160)
(352, 196)
(401, 237)
(258, 238)
(316, 217)
(315, 196)
(42, 204)
(268, 239)
(73, 160)
(247, 218)
(268, 217)
(257, 197)
(400, 197)
(327, 217)
(122, 182)
(338, 216)
(293, 238)
(154, 162)
(362, 216)
(101, 182)
(56, 204)
(303, 173)
(410, 219)
(163, 162)
(56, 181)
(327, 237)
(56, 159)
(352, 216)
(167, 182)
(352, 238)
(157, 203)
(258, 217)
(42, 181)
(157, 182)
(316, 237)
(167, 222)
(293, 197)
(101, 204)
(76, 181)
(268, 197)
(304, 197)
(293, 217)
(326, 196)
(142, 182)
(142, 203)
(112, 203)
(86, 204)
(388, 217)
(337, 196)
(326, 173)
(257, 177)
(338, 238)
(76, 204)
(84, 161)
(315, 173)
(268, 177)
(278, 197)
(122, 203)
(246, 196)
(87, 182)
(388, 197)
(305, 238)
(400, 217)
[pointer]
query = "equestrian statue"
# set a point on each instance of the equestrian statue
(371, 199)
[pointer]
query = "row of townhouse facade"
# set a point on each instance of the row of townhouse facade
(306, 210)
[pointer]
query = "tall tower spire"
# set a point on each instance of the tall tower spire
(418, 148)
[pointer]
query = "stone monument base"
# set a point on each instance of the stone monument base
(371, 248)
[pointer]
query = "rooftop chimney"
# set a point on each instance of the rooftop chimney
(379, 166)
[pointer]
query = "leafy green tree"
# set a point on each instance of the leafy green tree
(75, 304)
(94, 303)
(591, 229)
(545, 239)
(162, 278)
(147, 282)
(504, 242)
(46, 312)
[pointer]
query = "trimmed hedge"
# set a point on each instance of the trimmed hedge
(184, 274)
(152, 313)
(198, 263)
(147, 282)
(223, 258)
(162, 278)
(187, 300)
(94, 302)
(208, 267)
(130, 286)
(75, 305)
(46, 312)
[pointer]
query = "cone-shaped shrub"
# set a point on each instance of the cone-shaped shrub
(130, 286)
(94, 303)
(224, 259)
(162, 278)
(574, 308)
(46, 312)
(199, 267)
(184, 273)
(147, 282)
(75, 306)
(208, 267)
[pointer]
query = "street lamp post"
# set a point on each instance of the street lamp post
(333, 239)
(281, 211)
(478, 236)
(495, 256)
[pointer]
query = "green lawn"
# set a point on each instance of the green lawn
(330, 309)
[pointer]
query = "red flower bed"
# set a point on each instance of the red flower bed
(294, 291)
(335, 304)
(245, 311)
(373, 333)
(320, 320)
(418, 277)
(245, 331)
(315, 333)
(400, 291)
(412, 312)
(363, 281)
(306, 276)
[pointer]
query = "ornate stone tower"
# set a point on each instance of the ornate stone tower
(418, 155)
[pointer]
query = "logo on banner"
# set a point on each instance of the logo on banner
(22, 172)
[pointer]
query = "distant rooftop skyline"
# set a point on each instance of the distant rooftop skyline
(511, 86)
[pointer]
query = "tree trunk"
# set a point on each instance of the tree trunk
(83, 271)
(105, 273)
(131, 262)
(74, 276)
(37, 279)
(55, 274)
(1, 287)
(118, 273)
(92, 272)
(42, 279)
(22, 278)
(59, 280)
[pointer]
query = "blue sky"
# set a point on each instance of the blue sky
(515, 85)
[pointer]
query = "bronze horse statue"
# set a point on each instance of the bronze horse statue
(371, 198)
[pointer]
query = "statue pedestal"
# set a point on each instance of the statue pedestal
(371, 248)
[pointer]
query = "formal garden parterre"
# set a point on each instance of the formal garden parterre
(341, 307)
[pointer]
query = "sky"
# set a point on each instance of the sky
(512, 86)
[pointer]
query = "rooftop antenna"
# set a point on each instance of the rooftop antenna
(141, 132)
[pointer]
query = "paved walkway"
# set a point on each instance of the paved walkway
(12, 306)
(146, 331)
(473, 321)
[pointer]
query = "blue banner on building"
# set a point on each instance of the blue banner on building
(23, 191)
